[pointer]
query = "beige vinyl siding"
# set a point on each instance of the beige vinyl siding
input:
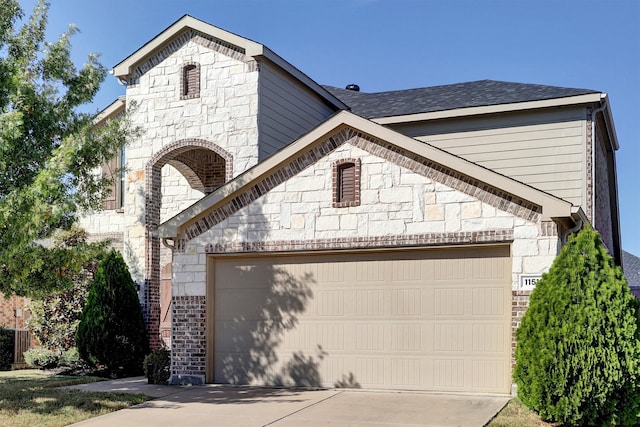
(287, 109)
(544, 149)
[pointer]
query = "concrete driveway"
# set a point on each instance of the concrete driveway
(214, 405)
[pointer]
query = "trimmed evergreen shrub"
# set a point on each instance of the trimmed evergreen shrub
(7, 337)
(160, 359)
(41, 357)
(111, 333)
(578, 348)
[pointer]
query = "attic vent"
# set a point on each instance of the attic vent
(354, 87)
(346, 183)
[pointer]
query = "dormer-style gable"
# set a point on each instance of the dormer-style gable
(130, 66)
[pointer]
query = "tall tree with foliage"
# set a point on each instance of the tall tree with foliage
(578, 348)
(54, 319)
(48, 149)
(111, 332)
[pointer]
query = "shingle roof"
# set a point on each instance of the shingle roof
(448, 97)
(631, 264)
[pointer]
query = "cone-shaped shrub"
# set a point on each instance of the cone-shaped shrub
(577, 350)
(111, 332)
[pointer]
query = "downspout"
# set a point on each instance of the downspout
(579, 219)
(167, 245)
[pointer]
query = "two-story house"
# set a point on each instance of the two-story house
(284, 232)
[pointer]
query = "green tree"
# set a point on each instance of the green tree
(54, 319)
(48, 149)
(111, 332)
(578, 348)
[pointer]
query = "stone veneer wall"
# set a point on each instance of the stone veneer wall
(222, 114)
(225, 114)
(400, 206)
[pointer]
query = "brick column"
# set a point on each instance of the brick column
(519, 304)
(153, 199)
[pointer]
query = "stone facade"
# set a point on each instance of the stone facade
(399, 207)
(191, 144)
(224, 113)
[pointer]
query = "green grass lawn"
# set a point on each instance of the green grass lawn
(34, 398)
(515, 414)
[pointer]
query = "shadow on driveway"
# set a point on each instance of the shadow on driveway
(216, 405)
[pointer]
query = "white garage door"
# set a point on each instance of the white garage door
(436, 319)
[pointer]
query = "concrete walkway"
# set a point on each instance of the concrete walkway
(215, 405)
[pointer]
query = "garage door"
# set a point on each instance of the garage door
(436, 319)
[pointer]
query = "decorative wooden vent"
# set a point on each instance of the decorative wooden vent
(190, 81)
(346, 183)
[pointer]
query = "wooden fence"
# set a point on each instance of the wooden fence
(22, 343)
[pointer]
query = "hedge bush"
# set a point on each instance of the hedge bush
(578, 352)
(41, 357)
(111, 332)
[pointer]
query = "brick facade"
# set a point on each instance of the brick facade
(13, 313)
(189, 340)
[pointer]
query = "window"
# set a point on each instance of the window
(114, 170)
(190, 81)
(346, 183)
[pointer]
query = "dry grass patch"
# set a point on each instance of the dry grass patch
(34, 398)
(515, 414)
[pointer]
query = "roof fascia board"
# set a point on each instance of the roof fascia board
(124, 68)
(111, 110)
(553, 207)
(490, 109)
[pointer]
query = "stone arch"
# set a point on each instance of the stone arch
(205, 166)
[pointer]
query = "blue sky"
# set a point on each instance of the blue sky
(398, 44)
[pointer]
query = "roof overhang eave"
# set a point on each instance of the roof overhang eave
(111, 110)
(125, 67)
(491, 109)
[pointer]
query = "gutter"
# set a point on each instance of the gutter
(579, 219)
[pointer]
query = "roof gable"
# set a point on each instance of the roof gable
(497, 190)
(244, 45)
(184, 28)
